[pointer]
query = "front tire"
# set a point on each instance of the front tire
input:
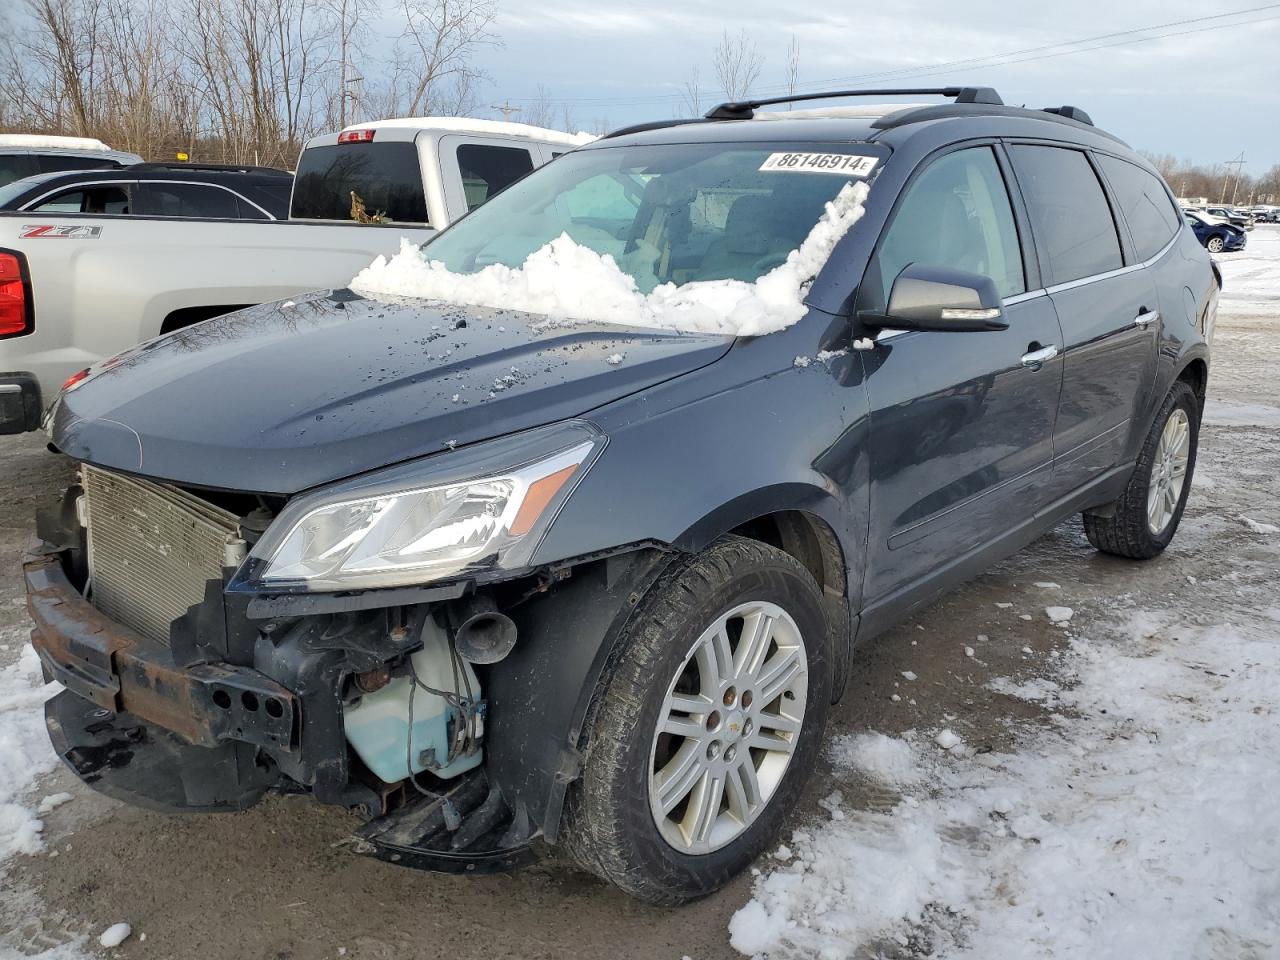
(1146, 516)
(699, 745)
(1214, 244)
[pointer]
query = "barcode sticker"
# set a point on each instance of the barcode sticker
(843, 164)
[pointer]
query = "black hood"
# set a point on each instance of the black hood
(286, 396)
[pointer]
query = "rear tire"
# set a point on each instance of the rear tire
(1146, 516)
(680, 708)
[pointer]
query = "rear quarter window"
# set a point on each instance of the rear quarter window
(487, 169)
(1074, 230)
(386, 177)
(1150, 213)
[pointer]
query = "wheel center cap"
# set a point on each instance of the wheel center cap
(733, 724)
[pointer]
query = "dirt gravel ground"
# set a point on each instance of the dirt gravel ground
(276, 881)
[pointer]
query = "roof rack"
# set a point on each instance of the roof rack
(651, 125)
(745, 109)
(1071, 116)
(1071, 113)
(211, 168)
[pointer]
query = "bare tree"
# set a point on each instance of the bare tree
(738, 63)
(793, 66)
(692, 94)
(445, 35)
(567, 121)
(542, 111)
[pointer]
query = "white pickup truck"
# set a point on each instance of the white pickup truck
(76, 288)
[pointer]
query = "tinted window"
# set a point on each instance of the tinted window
(187, 200)
(108, 201)
(275, 198)
(1145, 204)
(956, 214)
(15, 166)
(385, 178)
(53, 162)
(1074, 230)
(486, 170)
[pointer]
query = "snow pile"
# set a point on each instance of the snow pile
(24, 752)
(1166, 844)
(885, 760)
(564, 279)
(115, 935)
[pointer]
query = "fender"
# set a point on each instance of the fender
(540, 694)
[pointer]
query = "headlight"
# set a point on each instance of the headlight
(386, 532)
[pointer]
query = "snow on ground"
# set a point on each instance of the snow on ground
(1137, 821)
(1142, 823)
(566, 279)
(24, 753)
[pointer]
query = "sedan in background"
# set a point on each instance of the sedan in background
(1214, 234)
(205, 191)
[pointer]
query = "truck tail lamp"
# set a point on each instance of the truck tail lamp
(16, 315)
(356, 136)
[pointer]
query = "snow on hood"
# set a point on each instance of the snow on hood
(564, 279)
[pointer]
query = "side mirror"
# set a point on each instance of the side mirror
(926, 297)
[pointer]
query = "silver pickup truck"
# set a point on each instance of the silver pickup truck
(76, 288)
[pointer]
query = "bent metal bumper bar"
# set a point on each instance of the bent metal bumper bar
(116, 669)
(136, 726)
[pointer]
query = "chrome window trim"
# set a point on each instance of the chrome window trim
(1120, 271)
(27, 208)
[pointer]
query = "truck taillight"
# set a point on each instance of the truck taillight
(15, 303)
(356, 136)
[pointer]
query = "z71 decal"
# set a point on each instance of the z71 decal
(55, 232)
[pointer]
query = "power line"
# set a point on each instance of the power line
(1024, 55)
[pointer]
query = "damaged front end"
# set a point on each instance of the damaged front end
(441, 713)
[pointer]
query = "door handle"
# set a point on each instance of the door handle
(1146, 317)
(1038, 358)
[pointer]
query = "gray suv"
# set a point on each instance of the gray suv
(496, 580)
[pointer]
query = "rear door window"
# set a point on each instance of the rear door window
(486, 169)
(381, 182)
(1075, 232)
(52, 163)
(16, 166)
(200, 200)
(104, 200)
(1150, 213)
(956, 214)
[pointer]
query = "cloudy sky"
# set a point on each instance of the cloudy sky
(1203, 94)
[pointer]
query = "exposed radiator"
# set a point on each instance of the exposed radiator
(152, 548)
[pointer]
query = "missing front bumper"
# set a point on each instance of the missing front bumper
(134, 725)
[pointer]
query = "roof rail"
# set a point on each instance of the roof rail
(211, 168)
(1070, 116)
(745, 109)
(651, 125)
(1071, 113)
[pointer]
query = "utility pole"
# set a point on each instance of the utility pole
(1238, 162)
(505, 108)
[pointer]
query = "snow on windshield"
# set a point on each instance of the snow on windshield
(564, 279)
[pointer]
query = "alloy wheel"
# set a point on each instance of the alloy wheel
(727, 728)
(1168, 471)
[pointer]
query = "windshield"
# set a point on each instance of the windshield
(670, 213)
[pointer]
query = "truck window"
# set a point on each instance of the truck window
(385, 178)
(15, 166)
(106, 201)
(487, 169)
(53, 162)
(187, 200)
